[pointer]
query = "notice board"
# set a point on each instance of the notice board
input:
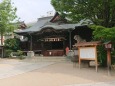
(87, 53)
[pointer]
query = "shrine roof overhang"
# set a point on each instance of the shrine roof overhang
(37, 29)
(59, 27)
(50, 22)
(93, 43)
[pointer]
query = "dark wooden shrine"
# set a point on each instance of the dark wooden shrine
(49, 36)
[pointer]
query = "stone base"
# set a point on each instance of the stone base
(30, 54)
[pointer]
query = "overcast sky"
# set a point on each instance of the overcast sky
(30, 10)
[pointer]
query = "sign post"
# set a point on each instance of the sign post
(88, 51)
(108, 47)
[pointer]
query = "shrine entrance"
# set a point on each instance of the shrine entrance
(53, 46)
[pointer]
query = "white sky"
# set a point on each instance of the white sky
(30, 10)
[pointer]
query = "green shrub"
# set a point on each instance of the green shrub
(113, 57)
(12, 44)
(103, 34)
(102, 55)
(21, 57)
(20, 53)
(7, 52)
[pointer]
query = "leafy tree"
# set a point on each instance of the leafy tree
(105, 35)
(7, 16)
(100, 12)
(102, 33)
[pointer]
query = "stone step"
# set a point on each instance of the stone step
(42, 58)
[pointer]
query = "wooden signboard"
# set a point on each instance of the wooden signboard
(88, 51)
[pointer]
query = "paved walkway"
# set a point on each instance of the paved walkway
(10, 68)
(95, 84)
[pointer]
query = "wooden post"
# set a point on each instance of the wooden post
(30, 42)
(70, 39)
(109, 60)
(79, 57)
(96, 61)
(64, 47)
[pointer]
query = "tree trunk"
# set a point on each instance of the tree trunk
(106, 13)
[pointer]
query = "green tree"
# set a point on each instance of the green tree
(102, 33)
(100, 12)
(7, 17)
(105, 35)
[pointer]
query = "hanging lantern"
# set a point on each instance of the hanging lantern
(108, 45)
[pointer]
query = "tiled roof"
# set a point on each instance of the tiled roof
(37, 26)
(45, 22)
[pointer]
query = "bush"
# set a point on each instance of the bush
(8, 52)
(113, 57)
(102, 55)
(20, 53)
(12, 44)
(21, 57)
(103, 34)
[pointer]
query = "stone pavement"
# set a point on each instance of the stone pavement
(12, 68)
(95, 84)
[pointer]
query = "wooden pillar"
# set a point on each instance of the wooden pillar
(30, 42)
(96, 61)
(70, 39)
(79, 57)
(42, 46)
(64, 47)
(108, 46)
